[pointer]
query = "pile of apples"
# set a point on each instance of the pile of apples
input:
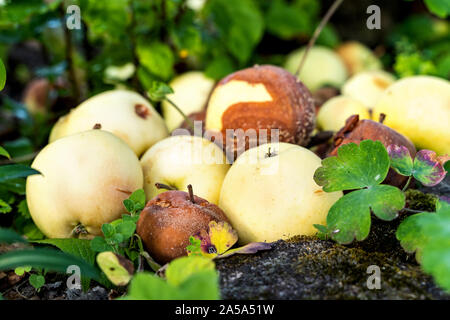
(116, 142)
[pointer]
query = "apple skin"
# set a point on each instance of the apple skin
(85, 177)
(334, 112)
(191, 93)
(169, 219)
(357, 57)
(368, 86)
(263, 97)
(276, 197)
(181, 160)
(124, 113)
(419, 108)
(322, 67)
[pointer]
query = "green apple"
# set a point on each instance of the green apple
(357, 57)
(84, 179)
(124, 113)
(181, 160)
(191, 93)
(322, 67)
(269, 193)
(419, 108)
(333, 113)
(368, 86)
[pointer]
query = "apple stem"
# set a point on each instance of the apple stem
(186, 118)
(191, 193)
(164, 186)
(316, 34)
(381, 118)
(79, 230)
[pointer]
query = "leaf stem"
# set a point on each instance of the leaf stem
(317, 32)
(186, 118)
(407, 184)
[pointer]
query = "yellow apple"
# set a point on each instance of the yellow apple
(419, 108)
(269, 193)
(85, 177)
(124, 113)
(191, 92)
(182, 160)
(333, 113)
(357, 57)
(322, 67)
(368, 86)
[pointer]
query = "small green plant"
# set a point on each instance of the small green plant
(187, 278)
(361, 168)
(37, 279)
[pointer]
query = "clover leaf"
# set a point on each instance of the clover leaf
(360, 168)
(428, 233)
(426, 167)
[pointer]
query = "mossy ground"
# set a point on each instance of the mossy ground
(309, 268)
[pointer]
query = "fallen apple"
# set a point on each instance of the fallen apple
(322, 67)
(124, 113)
(368, 86)
(191, 93)
(260, 98)
(269, 193)
(37, 97)
(169, 219)
(334, 112)
(181, 160)
(357, 57)
(84, 179)
(419, 108)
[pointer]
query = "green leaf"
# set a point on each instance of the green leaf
(285, 21)
(427, 169)
(4, 207)
(9, 236)
(219, 67)
(129, 205)
(80, 248)
(108, 230)
(51, 260)
(157, 58)
(14, 171)
(138, 197)
(410, 232)
(441, 8)
(126, 229)
(179, 270)
(4, 153)
(401, 159)
(37, 281)
(2, 75)
(98, 244)
(20, 271)
(349, 218)
(158, 91)
(354, 167)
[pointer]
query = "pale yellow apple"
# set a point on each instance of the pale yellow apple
(333, 113)
(419, 108)
(182, 160)
(85, 178)
(124, 113)
(357, 57)
(368, 86)
(191, 92)
(322, 67)
(275, 197)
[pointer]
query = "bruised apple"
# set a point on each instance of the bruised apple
(368, 86)
(181, 160)
(124, 113)
(259, 100)
(84, 179)
(169, 219)
(322, 67)
(419, 108)
(191, 92)
(334, 112)
(269, 193)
